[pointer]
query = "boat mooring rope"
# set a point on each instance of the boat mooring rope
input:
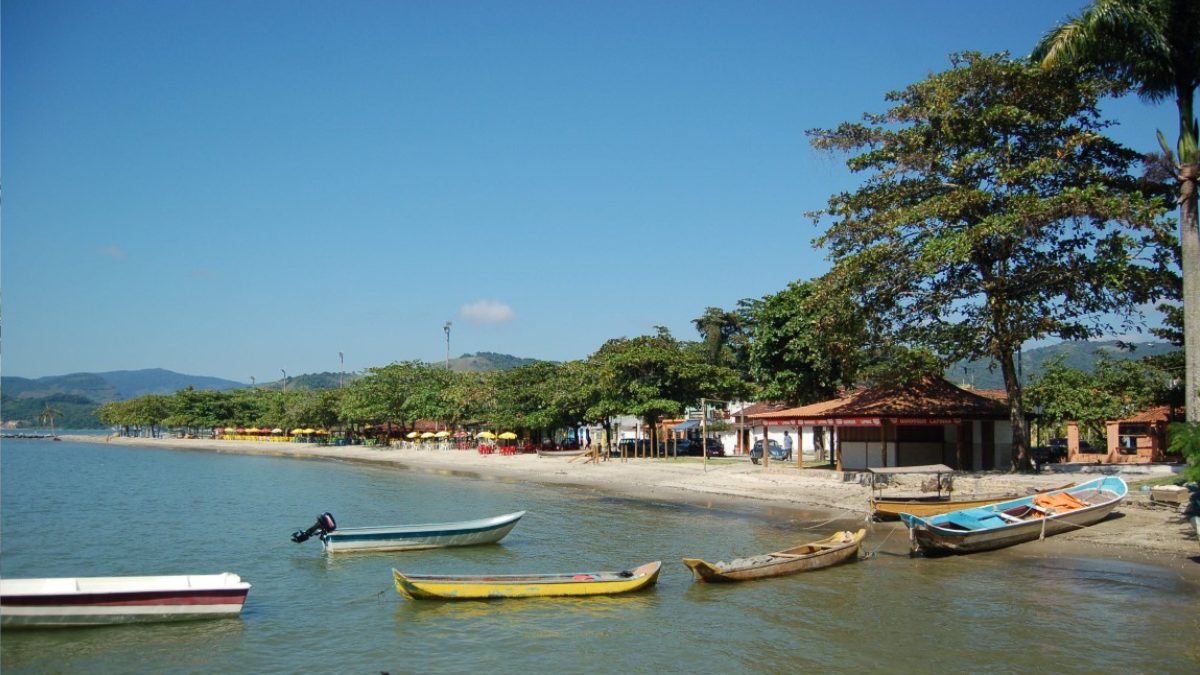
(369, 597)
(820, 525)
(871, 554)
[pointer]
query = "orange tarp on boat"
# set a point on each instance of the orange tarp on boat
(1061, 501)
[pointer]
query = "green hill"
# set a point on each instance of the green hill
(1079, 355)
(486, 362)
(73, 412)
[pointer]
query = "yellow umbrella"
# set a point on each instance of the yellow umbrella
(441, 434)
(309, 431)
(252, 430)
(321, 431)
(297, 431)
(486, 434)
(508, 435)
(412, 434)
(427, 434)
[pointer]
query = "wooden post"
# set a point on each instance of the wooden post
(766, 444)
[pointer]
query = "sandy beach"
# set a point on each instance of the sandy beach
(1141, 531)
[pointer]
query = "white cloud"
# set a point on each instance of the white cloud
(488, 311)
(112, 251)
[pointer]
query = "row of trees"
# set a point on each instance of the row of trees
(652, 377)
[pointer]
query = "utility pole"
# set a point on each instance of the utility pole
(447, 329)
(342, 377)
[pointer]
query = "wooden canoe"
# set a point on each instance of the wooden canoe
(453, 587)
(1016, 521)
(839, 548)
(97, 601)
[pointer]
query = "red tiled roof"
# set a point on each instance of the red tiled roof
(934, 397)
(1161, 413)
(762, 407)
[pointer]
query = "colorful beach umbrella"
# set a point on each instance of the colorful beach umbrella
(508, 436)
(441, 434)
(427, 434)
(486, 434)
(412, 434)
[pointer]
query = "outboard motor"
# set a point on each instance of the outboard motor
(325, 524)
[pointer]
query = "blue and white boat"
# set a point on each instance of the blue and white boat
(1018, 520)
(408, 537)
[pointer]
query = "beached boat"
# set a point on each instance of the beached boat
(890, 509)
(839, 548)
(1015, 521)
(93, 601)
(408, 537)
(452, 587)
(562, 453)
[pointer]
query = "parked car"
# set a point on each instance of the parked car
(714, 447)
(631, 447)
(776, 450)
(693, 447)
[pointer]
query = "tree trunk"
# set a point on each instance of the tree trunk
(1016, 415)
(1189, 239)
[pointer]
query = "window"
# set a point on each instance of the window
(1128, 435)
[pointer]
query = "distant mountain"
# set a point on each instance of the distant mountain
(312, 381)
(1081, 355)
(111, 386)
(486, 362)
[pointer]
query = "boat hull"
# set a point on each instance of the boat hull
(446, 587)
(97, 601)
(414, 537)
(940, 535)
(835, 550)
(889, 510)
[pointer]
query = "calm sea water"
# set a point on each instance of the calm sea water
(73, 509)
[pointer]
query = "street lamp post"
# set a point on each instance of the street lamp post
(447, 329)
(342, 377)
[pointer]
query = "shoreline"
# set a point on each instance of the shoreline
(1139, 532)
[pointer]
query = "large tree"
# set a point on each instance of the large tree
(657, 376)
(1154, 45)
(804, 348)
(993, 212)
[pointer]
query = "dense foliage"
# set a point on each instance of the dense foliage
(72, 412)
(993, 211)
(1154, 46)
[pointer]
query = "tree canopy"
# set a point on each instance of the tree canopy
(993, 211)
(1154, 45)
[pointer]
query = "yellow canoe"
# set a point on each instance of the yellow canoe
(451, 587)
(891, 509)
(834, 550)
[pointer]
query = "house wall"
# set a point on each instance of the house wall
(858, 455)
(861, 455)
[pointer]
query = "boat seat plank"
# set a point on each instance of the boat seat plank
(969, 521)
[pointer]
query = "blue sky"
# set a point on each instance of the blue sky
(238, 189)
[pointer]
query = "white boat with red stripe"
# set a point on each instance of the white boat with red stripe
(95, 601)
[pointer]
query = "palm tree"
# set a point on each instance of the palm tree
(1155, 46)
(47, 416)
